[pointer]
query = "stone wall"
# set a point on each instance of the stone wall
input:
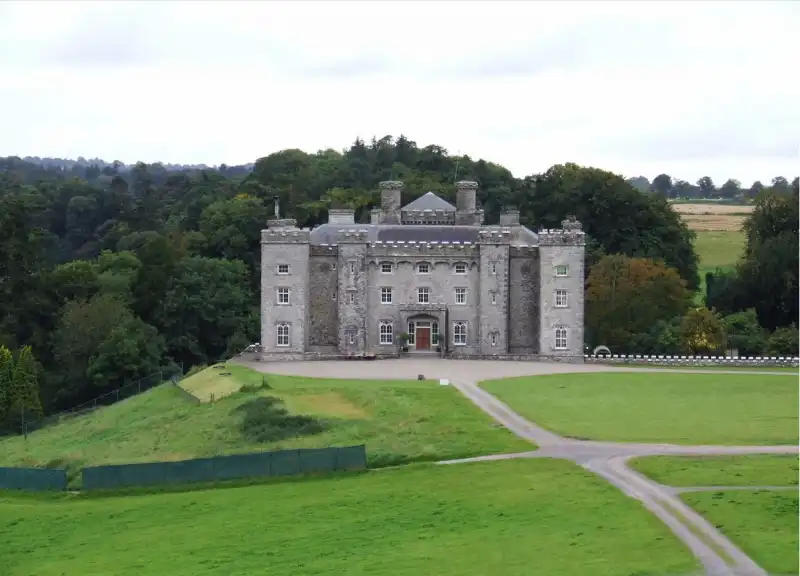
(404, 280)
(561, 248)
(323, 296)
(288, 246)
(523, 319)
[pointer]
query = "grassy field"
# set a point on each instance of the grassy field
(763, 524)
(515, 517)
(747, 470)
(399, 421)
(656, 406)
(703, 216)
(719, 249)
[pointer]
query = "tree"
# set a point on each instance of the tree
(744, 333)
(620, 219)
(83, 327)
(784, 342)
(662, 185)
(6, 371)
(205, 304)
(731, 189)
(19, 388)
(702, 332)
(707, 187)
(626, 297)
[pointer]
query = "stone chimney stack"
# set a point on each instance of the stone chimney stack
(341, 216)
(509, 218)
(390, 201)
(466, 214)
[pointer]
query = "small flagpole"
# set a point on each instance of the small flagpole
(455, 176)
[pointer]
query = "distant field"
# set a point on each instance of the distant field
(655, 406)
(515, 518)
(399, 421)
(719, 249)
(713, 217)
(744, 470)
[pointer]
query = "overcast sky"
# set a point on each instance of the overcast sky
(687, 88)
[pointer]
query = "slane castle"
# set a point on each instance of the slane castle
(429, 276)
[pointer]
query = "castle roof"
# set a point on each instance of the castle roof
(328, 233)
(429, 201)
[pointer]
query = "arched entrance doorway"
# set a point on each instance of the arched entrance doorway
(423, 333)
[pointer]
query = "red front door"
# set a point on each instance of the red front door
(423, 339)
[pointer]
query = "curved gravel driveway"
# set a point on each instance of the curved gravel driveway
(718, 555)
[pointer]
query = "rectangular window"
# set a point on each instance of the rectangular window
(386, 268)
(561, 338)
(423, 295)
(461, 268)
(435, 334)
(561, 298)
(283, 335)
(459, 333)
(386, 333)
(562, 270)
(352, 267)
(423, 268)
(333, 296)
(494, 339)
(412, 333)
(494, 297)
(493, 268)
(386, 295)
(283, 296)
(461, 295)
(334, 265)
(283, 269)
(351, 297)
(351, 337)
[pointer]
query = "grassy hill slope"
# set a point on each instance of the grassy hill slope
(399, 421)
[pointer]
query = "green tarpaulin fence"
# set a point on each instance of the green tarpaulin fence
(240, 466)
(33, 479)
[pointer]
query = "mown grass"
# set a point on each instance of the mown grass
(516, 518)
(713, 408)
(763, 524)
(744, 470)
(399, 421)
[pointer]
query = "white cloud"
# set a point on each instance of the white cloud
(635, 87)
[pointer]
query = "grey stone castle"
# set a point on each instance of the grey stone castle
(429, 276)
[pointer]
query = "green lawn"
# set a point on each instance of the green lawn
(399, 421)
(516, 517)
(763, 524)
(745, 470)
(655, 406)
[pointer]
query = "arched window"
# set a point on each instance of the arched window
(561, 338)
(283, 334)
(386, 333)
(459, 333)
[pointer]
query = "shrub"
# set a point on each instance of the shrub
(266, 420)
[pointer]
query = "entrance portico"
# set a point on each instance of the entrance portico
(424, 330)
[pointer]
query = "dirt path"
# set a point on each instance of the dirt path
(718, 555)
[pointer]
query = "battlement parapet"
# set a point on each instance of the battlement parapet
(494, 235)
(352, 236)
(324, 250)
(286, 236)
(400, 248)
(524, 251)
(570, 234)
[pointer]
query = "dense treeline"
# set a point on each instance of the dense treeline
(731, 190)
(111, 272)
